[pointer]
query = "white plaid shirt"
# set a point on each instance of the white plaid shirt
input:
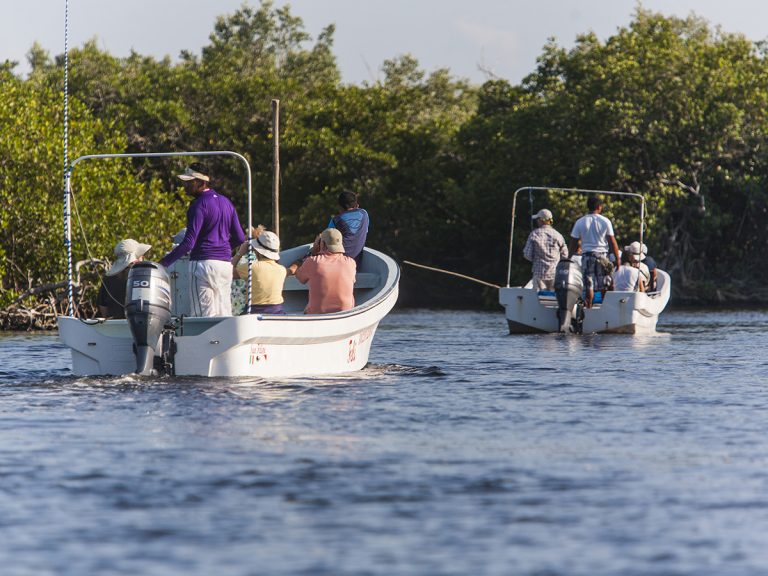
(545, 247)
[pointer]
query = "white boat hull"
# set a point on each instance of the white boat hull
(620, 312)
(251, 345)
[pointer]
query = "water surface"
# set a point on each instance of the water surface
(459, 450)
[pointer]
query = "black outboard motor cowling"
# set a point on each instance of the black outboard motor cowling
(569, 286)
(148, 310)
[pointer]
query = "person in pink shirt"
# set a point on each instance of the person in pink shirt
(330, 274)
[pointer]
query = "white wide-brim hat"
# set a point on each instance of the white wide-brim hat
(127, 251)
(635, 250)
(267, 244)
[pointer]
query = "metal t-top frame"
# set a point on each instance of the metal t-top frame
(68, 191)
(570, 190)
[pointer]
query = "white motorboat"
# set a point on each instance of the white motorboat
(529, 310)
(262, 345)
(158, 337)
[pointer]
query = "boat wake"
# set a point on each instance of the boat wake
(399, 369)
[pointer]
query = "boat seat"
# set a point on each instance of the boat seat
(362, 280)
(547, 298)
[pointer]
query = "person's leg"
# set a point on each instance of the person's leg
(588, 272)
(541, 284)
(202, 292)
(222, 273)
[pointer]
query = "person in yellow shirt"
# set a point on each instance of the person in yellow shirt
(267, 276)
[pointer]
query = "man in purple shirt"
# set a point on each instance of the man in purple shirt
(213, 231)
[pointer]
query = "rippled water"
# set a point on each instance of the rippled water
(459, 450)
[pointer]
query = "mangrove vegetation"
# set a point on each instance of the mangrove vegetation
(671, 108)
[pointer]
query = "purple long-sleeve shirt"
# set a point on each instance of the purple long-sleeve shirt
(213, 230)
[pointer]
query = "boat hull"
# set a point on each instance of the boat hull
(250, 345)
(254, 345)
(620, 312)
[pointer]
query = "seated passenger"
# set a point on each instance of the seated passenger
(330, 274)
(352, 222)
(111, 297)
(639, 251)
(651, 264)
(627, 277)
(267, 276)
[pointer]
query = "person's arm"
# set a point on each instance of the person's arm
(101, 299)
(236, 259)
(301, 271)
(315, 250)
(236, 234)
(194, 224)
(615, 247)
(528, 249)
(573, 246)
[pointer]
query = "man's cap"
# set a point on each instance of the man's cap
(190, 174)
(127, 251)
(267, 244)
(542, 214)
(333, 240)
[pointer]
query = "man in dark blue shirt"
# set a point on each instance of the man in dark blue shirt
(352, 222)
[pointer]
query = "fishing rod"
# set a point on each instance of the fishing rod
(464, 276)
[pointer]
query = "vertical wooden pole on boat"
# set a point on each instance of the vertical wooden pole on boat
(276, 166)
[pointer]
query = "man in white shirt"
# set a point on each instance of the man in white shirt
(595, 232)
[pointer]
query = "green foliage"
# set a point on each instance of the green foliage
(110, 201)
(665, 107)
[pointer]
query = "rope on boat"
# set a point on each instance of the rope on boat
(483, 282)
(67, 230)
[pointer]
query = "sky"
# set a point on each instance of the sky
(471, 38)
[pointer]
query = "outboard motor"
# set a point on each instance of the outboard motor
(148, 310)
(569, 286)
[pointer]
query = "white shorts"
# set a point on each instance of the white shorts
(209, 287)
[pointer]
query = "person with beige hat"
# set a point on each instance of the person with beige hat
(330, 274)
(628, 277)
(545, 247)
(111, 297)
(267, 276)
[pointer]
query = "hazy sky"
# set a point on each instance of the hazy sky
(465, 36)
